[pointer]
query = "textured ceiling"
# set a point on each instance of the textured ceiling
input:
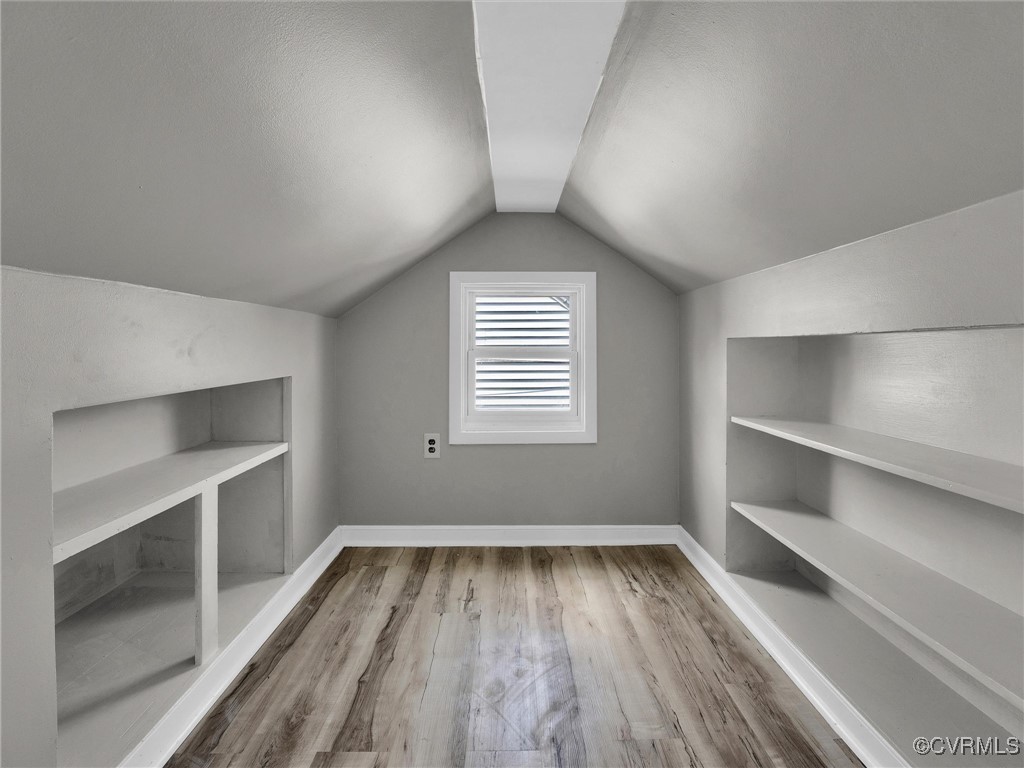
(302, 154)
(291, 154)
(729, 137)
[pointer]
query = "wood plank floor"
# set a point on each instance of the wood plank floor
(512, 658)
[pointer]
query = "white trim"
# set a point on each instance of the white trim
(173, 728)
(540, 67)
(863, 738)
(507, 535)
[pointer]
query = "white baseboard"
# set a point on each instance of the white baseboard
(506, 535)
(171, 730)
(868, 744)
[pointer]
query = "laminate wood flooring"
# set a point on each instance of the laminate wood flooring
(512, 658)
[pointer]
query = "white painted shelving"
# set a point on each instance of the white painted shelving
(171, 530)
(987, 480)
(898, 697)
(86, 514)
(124, 658)
(892, 563)
(979, 636)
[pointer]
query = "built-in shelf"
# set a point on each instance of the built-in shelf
(124, 659)
(86, 514)
(898, 696)
(974, 633)
(987, 480)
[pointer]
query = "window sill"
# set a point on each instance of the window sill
(522, 437)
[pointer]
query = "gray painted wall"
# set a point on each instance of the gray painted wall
(393, 386)
(70, 342)
(961, 269)
(94, 441)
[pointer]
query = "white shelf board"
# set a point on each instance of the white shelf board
(987, 480)
(86, 514)
(974, 633)
(124, 660)
(901, 699)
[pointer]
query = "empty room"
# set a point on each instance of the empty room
(512, 384)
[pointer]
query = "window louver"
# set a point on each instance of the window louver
(516, 381)
(522, 321)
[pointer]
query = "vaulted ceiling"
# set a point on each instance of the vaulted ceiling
(730, 137)
(303, 154)
(292, 154)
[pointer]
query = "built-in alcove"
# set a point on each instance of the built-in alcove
(171, 531)
(875, 489)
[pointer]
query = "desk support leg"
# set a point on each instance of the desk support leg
(206, 574)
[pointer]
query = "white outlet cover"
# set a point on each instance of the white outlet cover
(427, 437)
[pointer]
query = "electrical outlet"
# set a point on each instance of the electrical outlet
(431, 445)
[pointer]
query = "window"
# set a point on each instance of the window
(522, 357)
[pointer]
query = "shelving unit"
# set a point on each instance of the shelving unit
(876, 492)
(86, 514)
(987, 480)
(171, 529)
(124, 659)
(91, 512)
(986, 640)
(898, 697)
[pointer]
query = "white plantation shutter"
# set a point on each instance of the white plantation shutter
(508, 379)
(522, 321)
(508, 385)
(518, 371)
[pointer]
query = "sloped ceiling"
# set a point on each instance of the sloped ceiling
(302, 154)
(291, 154)
(729, 137)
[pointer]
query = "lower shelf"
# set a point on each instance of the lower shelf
(979, 636)
(901, 699)
(124, 660)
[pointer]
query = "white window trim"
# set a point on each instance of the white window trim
(499, 428)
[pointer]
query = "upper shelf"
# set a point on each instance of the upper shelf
(976, 634)
(987, 480)
(86, 514)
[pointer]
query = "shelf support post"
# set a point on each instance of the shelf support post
(206, 573)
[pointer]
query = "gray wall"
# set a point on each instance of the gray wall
(70, 342)
(961, 269)
(393, 386)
